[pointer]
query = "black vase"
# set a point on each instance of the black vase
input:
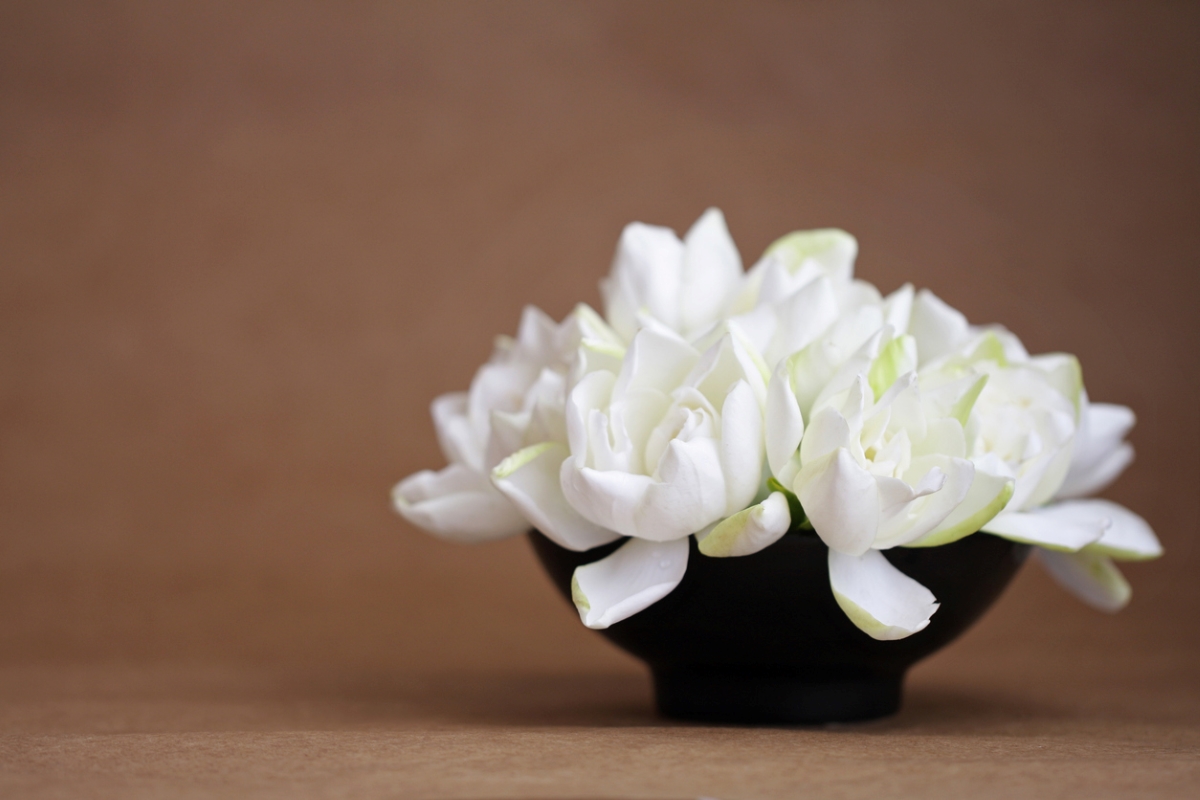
(760, 639)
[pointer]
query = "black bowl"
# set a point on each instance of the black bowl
(760, 639)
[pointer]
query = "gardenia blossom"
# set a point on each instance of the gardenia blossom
(1033, 422)
(515, 398)
(792, 399)
(880, 465)
(664, 447)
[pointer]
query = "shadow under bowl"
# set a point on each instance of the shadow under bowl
(760, 638)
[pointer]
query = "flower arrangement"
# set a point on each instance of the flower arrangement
(740, 407)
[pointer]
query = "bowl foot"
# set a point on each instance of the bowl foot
(773, 698)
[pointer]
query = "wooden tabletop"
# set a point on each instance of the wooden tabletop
(242, 246)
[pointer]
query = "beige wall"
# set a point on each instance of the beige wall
(241, 250)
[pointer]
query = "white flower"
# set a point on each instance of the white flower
(1114, 533)
(515, 399)
(666, 447)
(670, 444)
(888, 472)
(884, 422)
(1032, 422)
(685, 285)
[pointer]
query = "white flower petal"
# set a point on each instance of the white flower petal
(1082, 482)
(985, 499)
(636, 576)
(1056, 527)
(841, 500)
(832, 249)
(537, 336)
(938, 328)
(458, 442)
(711, 271)
(831, 364)
(1091, 577)
(1128, 536)
(881, 600)
(749, 530)
(690, 495)
(741, 446)
(802, 317)
(609, 498)
(784, 425)
(897, 308)
(897, 357)
(724, 363)
(656, 359)
(1100, 452)
(933, 502)
(589, 395)
(457, 504)
(827, 431)
(646, 274)
(530, 479)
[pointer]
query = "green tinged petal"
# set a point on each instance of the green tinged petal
(897, 357)
(748, 531)
(1092, 578)
(519, 459)
(829, 245)
(863, 620)
(800, 521)
(990, 348)
(577, 595)
(961, 410)
(964, 528)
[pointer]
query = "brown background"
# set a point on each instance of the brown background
(242, 247)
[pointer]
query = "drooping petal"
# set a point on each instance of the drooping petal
(1057, 527)
(749, 530)
(784, 425)
(457, 504)
(1091, 577)
(530, 479)
(636, 576)
(1128, 536)
(711, 271)
(881, 600)
(841, 500)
